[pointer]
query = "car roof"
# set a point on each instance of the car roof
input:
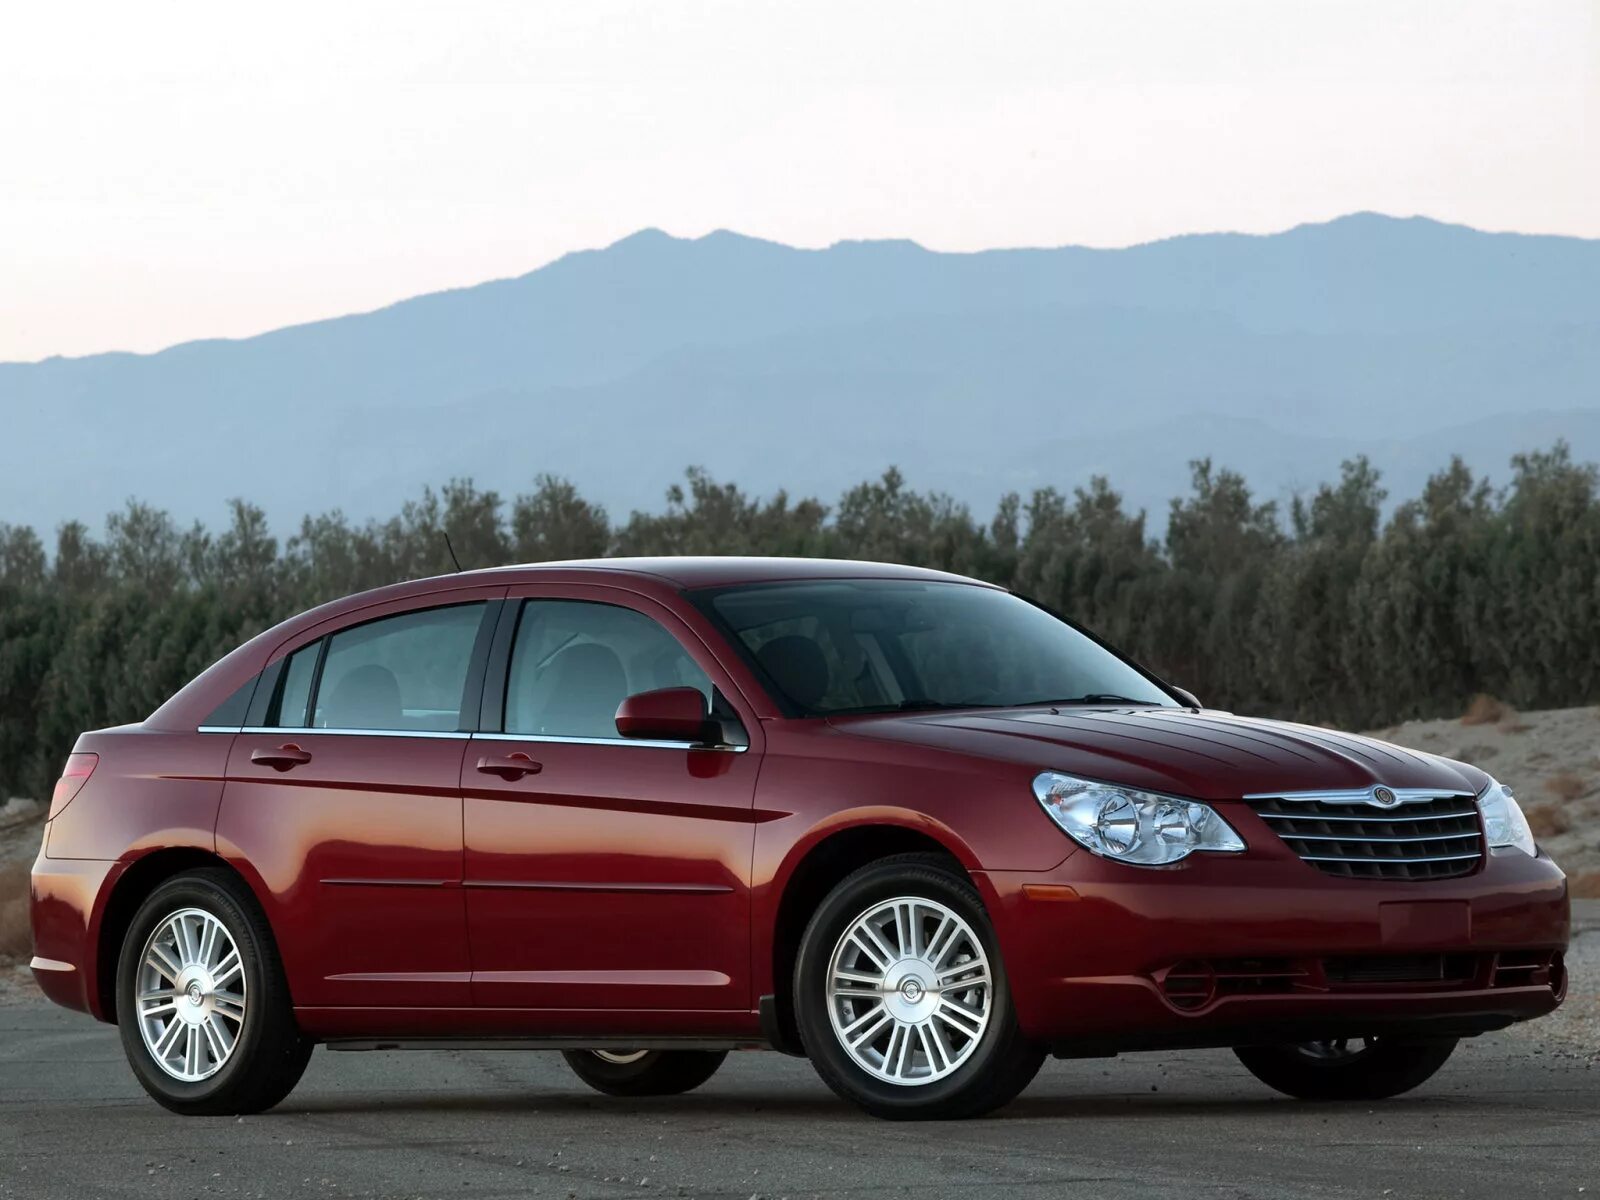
(675, 573)
(204, 692)
(709, 570)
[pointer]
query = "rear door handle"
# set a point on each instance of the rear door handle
(512, 766)
(281, 759)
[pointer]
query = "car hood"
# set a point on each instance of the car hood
(1207, 755)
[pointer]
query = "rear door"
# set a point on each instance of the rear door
(345, 801)
(608, 873)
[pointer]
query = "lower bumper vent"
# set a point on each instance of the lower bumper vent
(1194, 984)
(1524, 968)
(1409, 968)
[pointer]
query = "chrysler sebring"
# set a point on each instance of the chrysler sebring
(910, 826)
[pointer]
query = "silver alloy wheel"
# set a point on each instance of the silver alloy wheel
(621, 1058)
(190, 994)
(909, 991)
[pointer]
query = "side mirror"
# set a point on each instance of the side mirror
(1185, 695)
(674, 714)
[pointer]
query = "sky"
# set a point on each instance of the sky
(175, 170)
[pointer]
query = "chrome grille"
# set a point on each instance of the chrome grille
(1423, 837)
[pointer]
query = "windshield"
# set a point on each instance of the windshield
(858, 646)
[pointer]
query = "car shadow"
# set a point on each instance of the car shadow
(559, 1103)
(1025, 1109)
(1156, 1106)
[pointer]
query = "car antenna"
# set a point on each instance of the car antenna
(452, 551)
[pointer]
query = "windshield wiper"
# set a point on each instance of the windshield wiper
(905, 706)
(947, 705)
(1094, 698)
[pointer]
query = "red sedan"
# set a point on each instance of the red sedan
(909, 825)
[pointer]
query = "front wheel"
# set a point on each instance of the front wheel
(901, 997)
(644, 1072)
(1347, 1068)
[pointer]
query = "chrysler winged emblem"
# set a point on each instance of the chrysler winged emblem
(1383, 797)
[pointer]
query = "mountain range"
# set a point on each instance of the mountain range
(1404, 339)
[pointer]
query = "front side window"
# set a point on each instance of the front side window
(842, 646)
(574, 662)
(405, 673)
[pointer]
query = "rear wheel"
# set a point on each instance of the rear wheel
(902, 1000)
(644, 1072)
(1347, 1068)
(202, 1004)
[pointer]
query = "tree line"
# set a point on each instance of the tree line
(1323, 610)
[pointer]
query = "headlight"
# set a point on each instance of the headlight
(1503, 822)
(1133, 826)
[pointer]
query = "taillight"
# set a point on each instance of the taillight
(73, 776)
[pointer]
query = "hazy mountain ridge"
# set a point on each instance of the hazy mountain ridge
(811, 369)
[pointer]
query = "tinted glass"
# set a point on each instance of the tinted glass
(573, 663)
(401, 673)
(296, 693)
(880, 645)
(232, 711)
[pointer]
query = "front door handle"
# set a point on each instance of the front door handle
(512, 766)
(282, 759)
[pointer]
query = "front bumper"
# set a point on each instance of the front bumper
(1222, 950)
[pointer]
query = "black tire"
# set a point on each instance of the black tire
(996, 1069)
(653, 1073)
(1384, 1067)
(270, 1054)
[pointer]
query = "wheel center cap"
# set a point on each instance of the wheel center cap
(908, 991)
(192, 996)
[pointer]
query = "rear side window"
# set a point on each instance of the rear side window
(406, 673)
(295, 696)
(573, 662)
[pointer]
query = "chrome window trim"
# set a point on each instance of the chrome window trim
(646, 743)
(291, 731)
(1361, 796)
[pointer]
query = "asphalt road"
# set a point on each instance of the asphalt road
(1508, 1117)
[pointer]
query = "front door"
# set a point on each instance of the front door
(601, 872)
(346, 802)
